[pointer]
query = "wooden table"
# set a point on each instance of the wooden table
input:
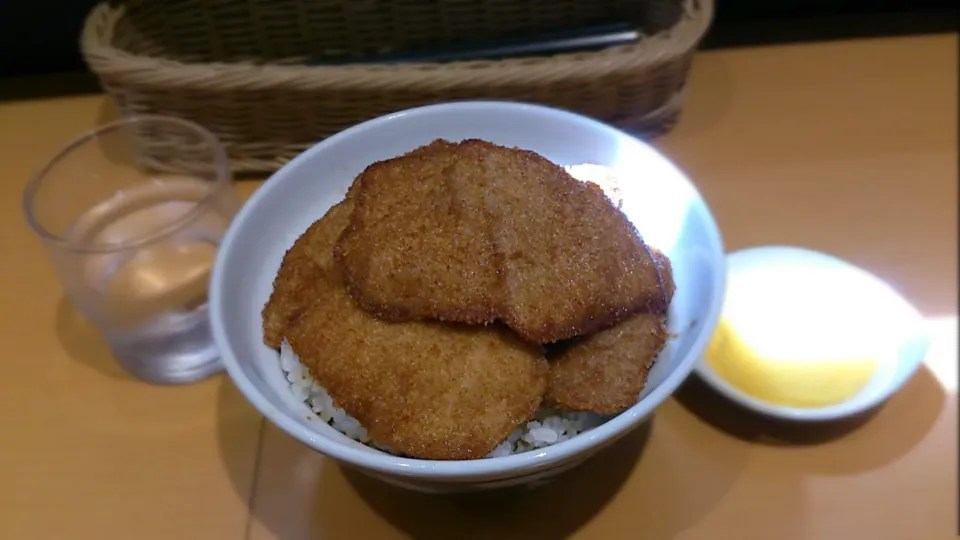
(847, 147)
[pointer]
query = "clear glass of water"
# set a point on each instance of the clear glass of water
(132, 230)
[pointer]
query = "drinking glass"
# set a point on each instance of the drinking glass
(131, 215)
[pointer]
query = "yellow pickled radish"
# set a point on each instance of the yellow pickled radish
(790, 342)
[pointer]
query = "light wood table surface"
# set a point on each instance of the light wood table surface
(847, 147)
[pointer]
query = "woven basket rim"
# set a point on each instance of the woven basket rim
(108, 61)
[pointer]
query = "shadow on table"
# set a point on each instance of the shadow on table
(554, 510)
(123, 409)
(239, 439)
(914, 410)
(661, 480)
(81, 341)
(300, 495)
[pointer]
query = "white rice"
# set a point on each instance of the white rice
(546, 428)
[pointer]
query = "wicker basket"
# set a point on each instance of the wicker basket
(237, 67)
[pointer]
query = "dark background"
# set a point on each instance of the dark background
(39, 37)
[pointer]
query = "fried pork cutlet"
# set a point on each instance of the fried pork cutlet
(427, 390)
(295, 280)
(605, 372)
(417, 250)
(293, 289)
(436, 146)
(476, 232)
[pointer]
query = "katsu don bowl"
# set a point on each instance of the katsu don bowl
(467, 296)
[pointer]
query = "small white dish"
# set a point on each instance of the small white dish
(894, 321)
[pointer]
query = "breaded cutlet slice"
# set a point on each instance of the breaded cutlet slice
(414, 249)
(571, 262)
(438, 145)
(477, 232)
(606, 371)
(293, 289)
(294, 281)
(666, 274)
(427, 390)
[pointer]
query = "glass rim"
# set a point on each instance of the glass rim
(222, 180)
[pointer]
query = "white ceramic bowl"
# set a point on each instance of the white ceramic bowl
(663, 204)
(870, 308)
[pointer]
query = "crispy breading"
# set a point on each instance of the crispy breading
(414, 249)
(294, 281)
(606, 371)
(438, 145)
(427, 390)
(571, 262)
(293, 290)
(476, 232)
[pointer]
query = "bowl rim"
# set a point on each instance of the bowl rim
(850, 407)
(607, 432)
